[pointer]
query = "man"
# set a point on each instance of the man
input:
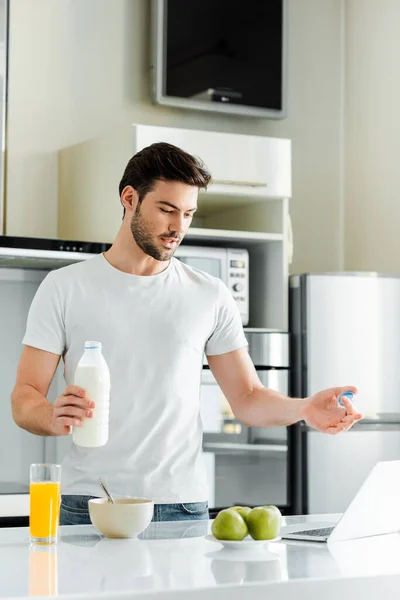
(155, 317)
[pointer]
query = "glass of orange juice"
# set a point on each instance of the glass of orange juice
(45, 497)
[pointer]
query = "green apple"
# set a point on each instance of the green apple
(264, 522)
(229, 525)
(242, 510)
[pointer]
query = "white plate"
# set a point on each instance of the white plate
(246, 544)
(244, 556)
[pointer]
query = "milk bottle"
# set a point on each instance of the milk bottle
(92, 375)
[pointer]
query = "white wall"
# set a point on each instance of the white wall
(372, 125)
(79, 74)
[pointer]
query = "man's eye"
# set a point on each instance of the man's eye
(166, 211)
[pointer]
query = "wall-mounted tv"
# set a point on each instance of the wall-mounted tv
(221, 55)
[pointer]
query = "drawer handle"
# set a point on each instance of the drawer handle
(218, 447)
(241, 183)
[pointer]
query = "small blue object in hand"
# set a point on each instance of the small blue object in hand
(348, 395)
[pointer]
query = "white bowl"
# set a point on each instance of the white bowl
(125, 519)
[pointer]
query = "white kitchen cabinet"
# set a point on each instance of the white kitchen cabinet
(242, 166)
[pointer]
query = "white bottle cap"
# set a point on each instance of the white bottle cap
(92, 345)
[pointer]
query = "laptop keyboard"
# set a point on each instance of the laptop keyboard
(322, 531)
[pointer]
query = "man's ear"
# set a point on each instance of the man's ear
(129, 199)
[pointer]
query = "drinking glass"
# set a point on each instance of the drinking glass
(45, 497)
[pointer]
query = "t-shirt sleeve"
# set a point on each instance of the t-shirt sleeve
(45, 325)
(228, 334)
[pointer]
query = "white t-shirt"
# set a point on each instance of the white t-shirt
(154, 331)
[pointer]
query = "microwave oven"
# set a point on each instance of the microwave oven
(229, 264)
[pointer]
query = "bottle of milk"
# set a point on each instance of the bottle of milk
(92, 374)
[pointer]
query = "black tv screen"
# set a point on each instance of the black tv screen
(221, 55)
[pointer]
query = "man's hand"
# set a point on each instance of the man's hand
(257, 406)
(323, 411)
(70, 409)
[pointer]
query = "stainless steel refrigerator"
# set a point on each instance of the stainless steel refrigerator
(345, 330)
(18, 448)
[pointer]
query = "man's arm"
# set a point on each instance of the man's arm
(257, 406)
(30, 408)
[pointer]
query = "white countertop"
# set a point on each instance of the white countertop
(174, 556)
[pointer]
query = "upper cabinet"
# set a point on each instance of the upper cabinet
(242, 166)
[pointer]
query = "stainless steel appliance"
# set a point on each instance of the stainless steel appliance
(345, 330)
(229, 264)
(17, 288)
(250, 464)
(24, 262)
(46, 254)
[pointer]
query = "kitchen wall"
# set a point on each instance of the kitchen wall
(79, 76)
(372, 124)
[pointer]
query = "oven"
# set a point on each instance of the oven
(247, 465)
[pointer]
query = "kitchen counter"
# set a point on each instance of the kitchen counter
(175, 556)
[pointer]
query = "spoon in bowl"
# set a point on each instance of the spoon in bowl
(104, 488)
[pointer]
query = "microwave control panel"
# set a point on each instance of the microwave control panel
(238, 280)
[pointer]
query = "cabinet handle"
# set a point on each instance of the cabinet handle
(290, 240)
(221, 447)
(241, 183)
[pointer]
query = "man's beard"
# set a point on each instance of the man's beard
(146, 241)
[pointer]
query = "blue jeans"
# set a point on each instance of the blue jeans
(74, 511)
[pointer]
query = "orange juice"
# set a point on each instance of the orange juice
(44, 511)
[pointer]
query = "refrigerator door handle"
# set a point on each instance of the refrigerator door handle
(370, 425)
(228, 448)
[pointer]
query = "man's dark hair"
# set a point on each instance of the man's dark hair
(162, 161)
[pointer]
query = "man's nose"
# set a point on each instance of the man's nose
(177, 224)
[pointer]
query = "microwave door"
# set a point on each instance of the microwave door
(210, 260)
(212, 266)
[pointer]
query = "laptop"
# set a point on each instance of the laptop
(374, 510)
